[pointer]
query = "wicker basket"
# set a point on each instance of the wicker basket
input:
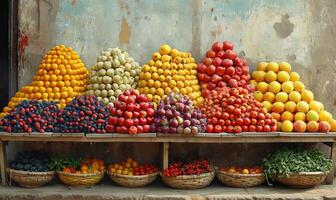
(30, 179)
(80, 179)
(240, 180)
(133, 181)
(302, 179)
(189, 181)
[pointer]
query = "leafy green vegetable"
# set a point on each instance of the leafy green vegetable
(294, 160)
(59, 164)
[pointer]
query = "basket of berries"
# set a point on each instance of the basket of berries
(193, 175)
(241, 177)
(130, 174)
(80, 172)
(30, 169)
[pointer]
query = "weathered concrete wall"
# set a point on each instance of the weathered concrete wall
(298, 31)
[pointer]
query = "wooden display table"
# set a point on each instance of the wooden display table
(166, 139)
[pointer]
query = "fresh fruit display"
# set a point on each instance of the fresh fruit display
(294, 160)
(170, 70)
(131, 167)
(131, 113)
(60, 77)
(31, 116)
(286, 98)
(114, 72)
(176, 114)
(196, 167)
(222, 67)
(31, 161)
(234, 110)
(242, 170)
(77, 165)
(83, 114)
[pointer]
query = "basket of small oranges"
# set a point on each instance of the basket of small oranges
(80, 172)
(241, 177)
(130, 174)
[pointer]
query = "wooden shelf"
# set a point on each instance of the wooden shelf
(178, 138)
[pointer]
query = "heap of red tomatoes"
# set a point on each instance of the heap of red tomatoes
(132, 113)
(234, 110)
(196, 167)
(222, 67)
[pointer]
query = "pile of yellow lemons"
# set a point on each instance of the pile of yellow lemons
(60, 77)
(170, 70)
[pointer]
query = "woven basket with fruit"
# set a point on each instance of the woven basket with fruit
(79, 172)
(30, 169)
(130, 174)
(297, 167)
(241, 177)
(193, 175)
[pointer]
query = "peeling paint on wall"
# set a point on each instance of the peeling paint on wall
(125, 32)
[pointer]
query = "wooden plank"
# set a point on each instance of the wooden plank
(260, 134)
(303, 134)
(105, 135)
(3, 161)
(165, 155)
(134, 136)
(331, 175)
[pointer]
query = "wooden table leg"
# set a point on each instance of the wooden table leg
(3, 162)
(331, 175)
(165, 155)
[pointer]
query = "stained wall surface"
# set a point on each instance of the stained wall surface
(301, 32)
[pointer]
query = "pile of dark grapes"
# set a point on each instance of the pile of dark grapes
(176, 114)
(32, 161)
(31, 116)
(83, 114)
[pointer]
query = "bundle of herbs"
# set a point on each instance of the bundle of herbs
(285, 161)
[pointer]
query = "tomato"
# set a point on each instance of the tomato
(244, 128)
(252, 128)
(259, 128)
(230, 109)
(274, 128)
(211, 69)
(209, 128)
(239, 121)
(230, 71)
(254, 121)
(261, 122)
(218, 129)
(221, 122)
(254, 114)
(261, 116)
(227, 45)
(237, 112)
(225, 115)
(246, 121)
(217, 61)
(207, 61)
(211, 54)
(229, 129)
(220, 54)
(229, 54)
(227, 122)
(237, 129)
(266, 128)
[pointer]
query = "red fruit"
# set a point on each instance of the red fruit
(229, 129)
(216, 78)
(132, 130)
(146, 128)
(139, 129)
(211, 69)
(150, 112)
(211, 86)
(230, 54)
(238, 71)
(110, 128)
(211, 54)
(261, 116)
(113, 120)
(202, 68)
(217, 46)
(220, 54)
(142, 121)
(254, 114)
(207, 61)
(218, 129)
(141, 98)
(221, 122)
(273, 128)
(266, 128)
(233, 83)
(135, 121)
(221, 84)
(226, 77)
(128, 114)
(122, 98)
(121, 121)
(252, 128)
(227, 63)
(112, 110)
(135, 92)
(230, 109)
(136, 114)
(217, 61)
(220, 70)
(247, 121)
(207, 78)
(230, 71)
(227, 45)
(122, 106)
(128, 122)
(143, 105)
(237, 112)
(239, 121)
(225, 115)
(130, 100)
(238, 62)
(237, 129)
(324, 126)
(209, 128)
(130, 107)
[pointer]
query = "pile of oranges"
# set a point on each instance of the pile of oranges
(87, 166)
(60, 77)
(170, 70)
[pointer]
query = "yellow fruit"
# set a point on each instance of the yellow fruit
(262, 66)
(300, 116)
(269, 96)
(325, 116)
(315, 105)
(262, 87)
(267, 105)
(287, 126)
(258, 96)
(287, 116)
(258, 76)
(307, 96)
(290, 106)
(312, 115)
(283, 76)
(294, 96)
(274, 87)
(294, 76)
(287, 87)
(270, 76)
(272, 66)
(298, 86)
(285, 66)
(165, 49)
(281, 97)
(332, 123)
(278, 107)
(302, 106)
(254, 83)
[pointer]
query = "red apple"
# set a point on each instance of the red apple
(217, 61)
(207, 61)
(217, 46)
(227, 63)
(210, 54)
(220, 54)
(128, 114)
(220, 70)
(211, 69)
(230, 71)
(128, 122)
(202, 68)
(227, 45)
(230, 54)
